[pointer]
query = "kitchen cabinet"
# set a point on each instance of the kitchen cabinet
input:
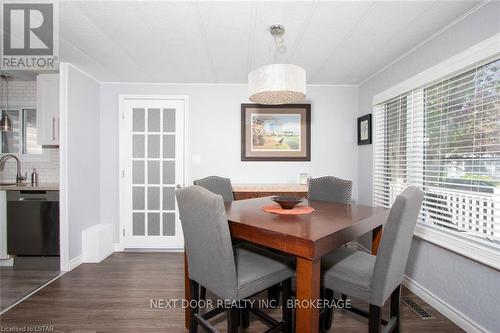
(47, 109)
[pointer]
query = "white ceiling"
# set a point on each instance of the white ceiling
(341, 42)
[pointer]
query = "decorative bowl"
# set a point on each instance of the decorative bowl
(287, 201)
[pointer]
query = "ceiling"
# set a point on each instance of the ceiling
(341, 42)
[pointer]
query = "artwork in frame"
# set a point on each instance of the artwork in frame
(276, 132)
(365, 129)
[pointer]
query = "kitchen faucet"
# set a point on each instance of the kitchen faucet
(19, 177)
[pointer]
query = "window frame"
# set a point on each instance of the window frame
(42, 157)
(481, 53)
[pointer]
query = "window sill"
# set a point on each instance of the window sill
(459, 245)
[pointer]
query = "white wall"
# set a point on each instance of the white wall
(467, 286)
(80, 158)
(214, 134)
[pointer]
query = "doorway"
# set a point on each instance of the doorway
(152, 166)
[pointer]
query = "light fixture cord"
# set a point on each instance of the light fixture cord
(280, 48)
(1, 93)
(7, 91)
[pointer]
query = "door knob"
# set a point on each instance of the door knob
(178, 186)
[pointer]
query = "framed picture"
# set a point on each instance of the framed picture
(276, 132)
(365, 129)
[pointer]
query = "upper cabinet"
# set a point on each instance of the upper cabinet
(47, 109)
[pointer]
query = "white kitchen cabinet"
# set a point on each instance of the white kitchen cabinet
(47, 109)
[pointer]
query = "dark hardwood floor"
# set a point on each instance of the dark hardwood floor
(20, 280)
(115, 296)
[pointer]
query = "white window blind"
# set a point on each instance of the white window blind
(445, 139)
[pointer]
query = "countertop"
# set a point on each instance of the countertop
(28, 187)
(269, 188)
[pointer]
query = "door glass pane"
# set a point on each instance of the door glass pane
(30, 145)
(168, 172)
(138, 146)
(138, 225)
(154, 224)
(168, 224)
(154, 146)
(138, 198)
(11, 139)
(168, 120)
(153, 172)
(153, 120)
(138, 116)
(168, 198)
(154, 198)
(168, 146)
(138, 172)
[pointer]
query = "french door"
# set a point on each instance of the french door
(151, 168)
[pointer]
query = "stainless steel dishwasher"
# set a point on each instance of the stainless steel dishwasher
(33, 223)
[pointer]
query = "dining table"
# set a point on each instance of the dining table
(307, 237)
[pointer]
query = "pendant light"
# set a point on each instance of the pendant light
(5, 123)
(277, 83)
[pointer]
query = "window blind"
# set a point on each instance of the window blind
(445, 139)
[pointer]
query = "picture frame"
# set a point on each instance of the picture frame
(365, 130)
(275, 132)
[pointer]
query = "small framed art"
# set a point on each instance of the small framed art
(365, 129)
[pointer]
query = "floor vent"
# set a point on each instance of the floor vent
(419, 311)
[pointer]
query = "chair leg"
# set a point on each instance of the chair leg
(287, 310)
(195, 297)
(273, 294)
(203, 293)
(395, 301)
(232, 320)
(374, 319)
(245, 316)
(327, 319)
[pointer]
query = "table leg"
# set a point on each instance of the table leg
(376, 237)
(308, 283)
(187, 293)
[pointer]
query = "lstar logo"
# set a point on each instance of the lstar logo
(29, 36)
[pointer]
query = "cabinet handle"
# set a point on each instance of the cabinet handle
(53, 128)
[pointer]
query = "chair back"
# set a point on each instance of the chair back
(217, 185)
(207, 240)
(395, 245)
(330, 189)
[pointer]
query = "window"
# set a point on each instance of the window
(445, 139)
(22, 139)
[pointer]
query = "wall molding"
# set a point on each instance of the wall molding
(422, 43)
(461, 62)
(75, 262)
(443, 307)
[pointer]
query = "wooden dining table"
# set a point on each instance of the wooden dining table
(307, 237)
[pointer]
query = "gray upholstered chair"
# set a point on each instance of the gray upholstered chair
(231, 273)
(331, 189)
(217, 185)
(374, 279)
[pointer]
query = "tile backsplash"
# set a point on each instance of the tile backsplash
(21, 94)
(46, 165)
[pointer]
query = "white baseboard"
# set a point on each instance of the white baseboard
(118, 247)
(9, 262)
(444, 308)
(97, 242)
(75, 262)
